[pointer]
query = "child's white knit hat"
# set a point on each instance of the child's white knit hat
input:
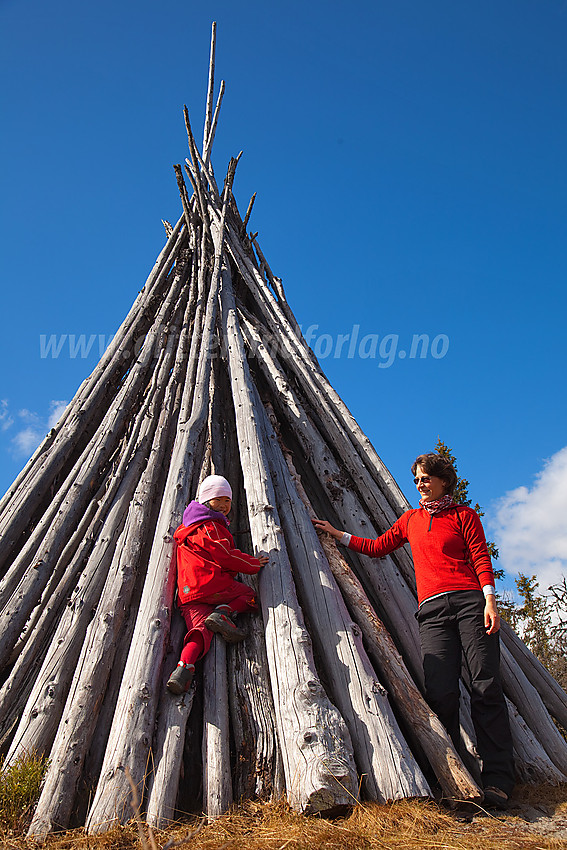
(212, 487)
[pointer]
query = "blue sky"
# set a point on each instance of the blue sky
(410, 165)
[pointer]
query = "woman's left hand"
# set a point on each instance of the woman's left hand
(491, 615)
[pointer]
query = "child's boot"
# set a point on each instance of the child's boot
(221, 622)
(180, 680)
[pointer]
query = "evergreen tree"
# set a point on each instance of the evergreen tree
(461, 497)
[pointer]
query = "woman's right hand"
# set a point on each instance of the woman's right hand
(323, 525)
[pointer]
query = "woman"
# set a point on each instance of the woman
(457, 613)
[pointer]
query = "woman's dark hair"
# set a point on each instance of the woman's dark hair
(440, 467)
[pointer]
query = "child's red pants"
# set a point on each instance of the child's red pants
(198, 639)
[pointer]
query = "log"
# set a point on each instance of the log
(132, 728)
(21, 677)
(30, 654)
(530, 705)
(552, 694)
(88, 406)
(258, 769)
(41, 717)
(210, 87)
(383, 757)
(316, 747)
(217, 782)
(98, 650)
(421, 723)
(208, 147)
(389, 587)
(377, 502)
(172, 716)
(531, 762)
(79, 489)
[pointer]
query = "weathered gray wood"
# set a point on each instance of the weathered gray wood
(172, 716)
(316, 746)
(54, 535)
(69, 492)
(248, 214)
(552, 694)
(132, 727)
(89, 404)
(530, 705)
(47, 701)
(531, 762)
(420, 721)
(15, 691)
(384, 759)
(208, 147)
(217, 782)
(259, 768)
(378, 499)
(383, 577)
(98, 649)
(210, 86)
(422, 724)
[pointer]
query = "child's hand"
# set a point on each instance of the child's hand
(263, 559)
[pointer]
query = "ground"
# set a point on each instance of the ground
(536, 820)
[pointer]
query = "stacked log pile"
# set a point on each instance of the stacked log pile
(209, 373)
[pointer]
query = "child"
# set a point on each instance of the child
(207, 562)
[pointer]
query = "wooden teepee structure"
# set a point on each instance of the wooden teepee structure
(209, 373)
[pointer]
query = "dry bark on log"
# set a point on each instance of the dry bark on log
(309, 728)
(383, 758)
(93, 668)
(132, 727)
(531, 707)
(89, 405)
(552, 694)
(46, 703)
(217, 783)
(389, 587)
(79, 487)
(173, 713)
(426, 728)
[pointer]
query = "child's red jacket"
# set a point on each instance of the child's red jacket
(207, 559)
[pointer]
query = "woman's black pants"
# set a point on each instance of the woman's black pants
(452, 630)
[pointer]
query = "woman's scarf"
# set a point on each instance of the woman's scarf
(436, 505)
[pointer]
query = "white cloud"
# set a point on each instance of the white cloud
(56, 409)
(529, 525)
(35, 427)
(29, 416)
(5, 419)
(26, 441)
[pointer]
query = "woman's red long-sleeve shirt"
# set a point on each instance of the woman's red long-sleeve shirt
(208, 561)
(449, 549)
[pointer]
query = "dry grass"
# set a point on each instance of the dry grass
(407, 824)
(19, 789)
